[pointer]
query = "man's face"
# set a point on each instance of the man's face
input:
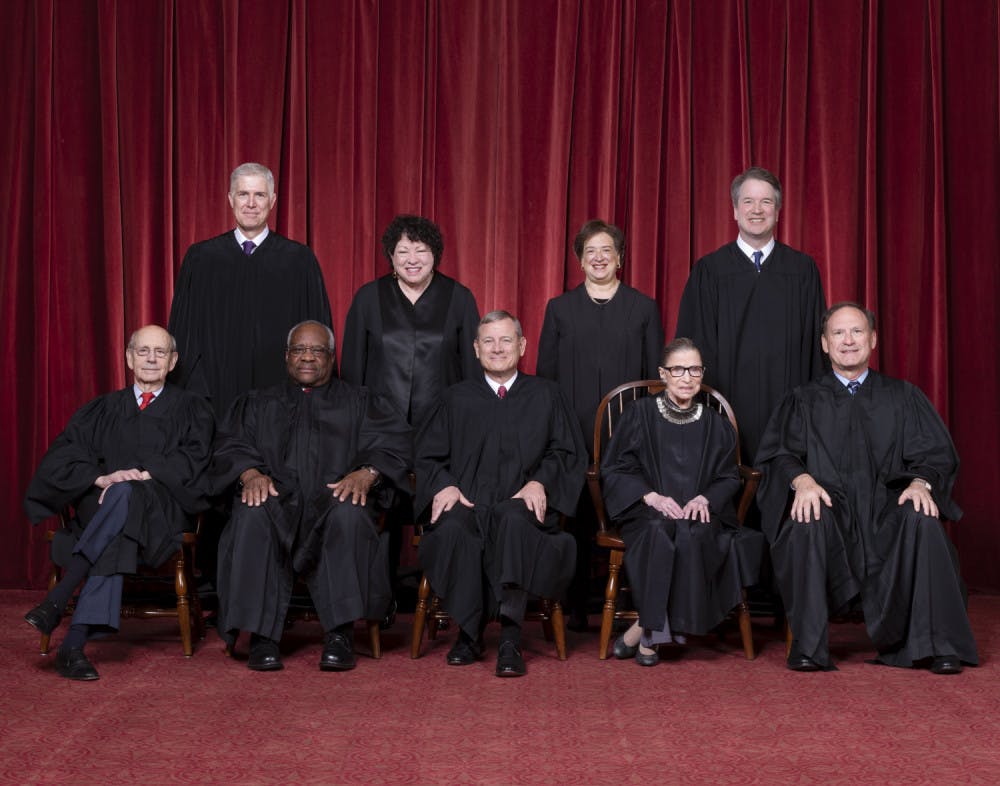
(600, 260)
(251, 202)
(149, 357)
(308, 358)
(499, 349)
(756, 212)
(849, 341)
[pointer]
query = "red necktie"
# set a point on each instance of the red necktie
(146, 398)
(502, 391)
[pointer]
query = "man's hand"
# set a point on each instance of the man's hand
(445, 500)
(533, 494)
(356, 485)
(808, 496)
(666, 505)
(105, 482)
(921, 497)
(256, 488)
(697, 509)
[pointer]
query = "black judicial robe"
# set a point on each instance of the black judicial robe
(590, 348)
(758, 333)
(407, 351)
(489, 448)
(171, 439)
(231, 313)
(864, 450)
(686, 572)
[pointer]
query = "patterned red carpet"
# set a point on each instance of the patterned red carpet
(703, 716)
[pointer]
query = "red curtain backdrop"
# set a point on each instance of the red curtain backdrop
(510, 124)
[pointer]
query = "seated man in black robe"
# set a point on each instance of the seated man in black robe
(498, 460)
(317, 460)
(871, 466)
(128, 463)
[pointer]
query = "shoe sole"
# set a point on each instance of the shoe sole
(337, 667)
(267, 667)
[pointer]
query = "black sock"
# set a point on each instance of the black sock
(76, 637)
(510, 630)
(75, 572)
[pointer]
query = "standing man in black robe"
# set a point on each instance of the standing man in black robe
(317, 459)
(871, 466)
(753, 308)
(238, 294)
(498, 460)
(128, 462)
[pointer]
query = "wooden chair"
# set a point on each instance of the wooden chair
(301, 609)
(180, 566)
(608, 412)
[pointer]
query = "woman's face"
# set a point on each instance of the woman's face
(413, 262)
(600, 260)
(682, 389)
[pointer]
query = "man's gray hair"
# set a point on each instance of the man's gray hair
(251, 169)
(131, 339)
(499, 316)
(331, 343)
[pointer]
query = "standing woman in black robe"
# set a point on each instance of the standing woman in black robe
(594, 338)
(409, 334)
(669, 479)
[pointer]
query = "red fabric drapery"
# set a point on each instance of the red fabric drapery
(510, 124)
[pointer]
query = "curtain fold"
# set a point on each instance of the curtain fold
(510, 124)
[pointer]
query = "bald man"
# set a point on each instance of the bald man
(128, 463)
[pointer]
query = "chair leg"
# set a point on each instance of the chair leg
(53, 580)
(197, 618)
(558, 626)
(610, 597)
(420, 616)
(183, 603)
(547, 619)
(374, 638)
(788, 638)
(746, 632)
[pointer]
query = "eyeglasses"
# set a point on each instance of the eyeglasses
(299, 350)
(144, 352)
(678, 371)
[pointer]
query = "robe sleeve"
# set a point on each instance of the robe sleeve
(180, 324)
(384, 440)
(547, 365)
(471, 367)
(781, 457)
(652, 341)
(354, 343)
(721, 478)
(433, 466)
(562, 468)
(181, 469)
(235, 447)
(698, 318)
(625, 481)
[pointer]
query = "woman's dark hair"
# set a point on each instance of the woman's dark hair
(595, 227)
(418, 229)
(679, 344)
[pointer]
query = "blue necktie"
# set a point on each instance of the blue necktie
(758, 259)
(853, 386)
(248, 247)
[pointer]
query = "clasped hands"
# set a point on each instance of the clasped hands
(532, 492)
(104, 482)
(696, 509)
(809, 495)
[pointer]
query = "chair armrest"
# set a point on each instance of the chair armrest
(751, 479)
(596, 497)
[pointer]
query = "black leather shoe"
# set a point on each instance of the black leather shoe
(45, 618)
(73, 665)
(509, 660)
(464, 652)
(799, 662)
(390, 616)
(338, 653)
(946, 664)
(623, 651)
(646, 660)
(264, 656)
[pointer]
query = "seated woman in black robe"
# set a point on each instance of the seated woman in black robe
(669, 477)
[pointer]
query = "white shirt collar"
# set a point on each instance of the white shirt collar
(496, 385)
(747, 249)
(241, 238)
(137, 392)
(844, 380)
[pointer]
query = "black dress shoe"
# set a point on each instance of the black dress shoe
(338, 653)
(464, 652)
(73, 665)
(45, 618)
(509, 660)
(946, 664)
(644, 659)
(390, 616)
(623, 651)
(800, 662)
(264, 656)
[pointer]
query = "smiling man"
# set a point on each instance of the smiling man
(317, 460)
(753, 307)
(498, 460)
(128, 462)
(870, 468)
